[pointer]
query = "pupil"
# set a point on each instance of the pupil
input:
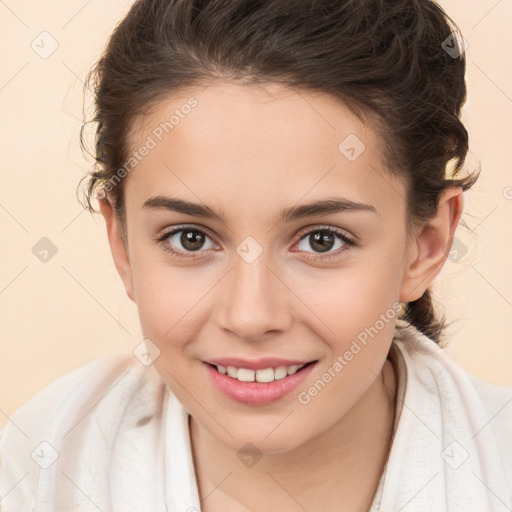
(323, 240)
(192, 240)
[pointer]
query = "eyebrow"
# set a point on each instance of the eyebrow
(323, 207)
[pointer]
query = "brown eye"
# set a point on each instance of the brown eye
(329, 241)
(181, 242)
(191, 240)
(322, 241)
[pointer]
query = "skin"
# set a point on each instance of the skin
(248, 152)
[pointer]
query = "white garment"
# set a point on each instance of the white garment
(122, 442)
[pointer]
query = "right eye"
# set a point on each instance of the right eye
(191, 240)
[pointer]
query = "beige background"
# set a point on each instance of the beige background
(73, 308)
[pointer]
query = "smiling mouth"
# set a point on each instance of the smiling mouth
(264, 375)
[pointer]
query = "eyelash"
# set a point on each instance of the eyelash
(184, 256)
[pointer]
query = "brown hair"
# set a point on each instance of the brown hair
(388, 61)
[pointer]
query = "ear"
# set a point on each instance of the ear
(430, 248)
(117, 244)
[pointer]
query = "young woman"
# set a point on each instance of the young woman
(279, 185)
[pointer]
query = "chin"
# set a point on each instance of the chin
(260, 441)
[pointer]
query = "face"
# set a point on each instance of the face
(246, 283)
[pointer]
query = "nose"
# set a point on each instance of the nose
(255, 300)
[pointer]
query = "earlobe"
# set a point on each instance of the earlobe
(432, 245)
(117, 244)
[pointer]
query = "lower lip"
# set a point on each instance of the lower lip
(257, 393)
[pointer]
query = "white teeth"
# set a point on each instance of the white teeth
(245, 375)
(280, 373)
(232, 371)
(264, 375)
(293, 369)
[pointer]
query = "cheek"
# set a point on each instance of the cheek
(173, 302)
(356, 309)
(165, 300)
(353, 298)
(360, 316)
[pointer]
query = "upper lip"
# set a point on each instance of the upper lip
(258, 364)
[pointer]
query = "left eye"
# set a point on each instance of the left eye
(324, 240)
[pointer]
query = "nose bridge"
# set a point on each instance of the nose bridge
(254, 302)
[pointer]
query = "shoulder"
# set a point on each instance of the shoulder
(463, 399)
(497, 401)
(43, 400)
(53, 408)
(44, 403)
(428, 357)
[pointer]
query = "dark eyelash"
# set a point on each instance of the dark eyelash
(349, 243)
(161, 240)
(185, 256)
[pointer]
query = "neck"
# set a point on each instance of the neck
(341, 465)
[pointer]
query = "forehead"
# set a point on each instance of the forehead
(257, 147)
